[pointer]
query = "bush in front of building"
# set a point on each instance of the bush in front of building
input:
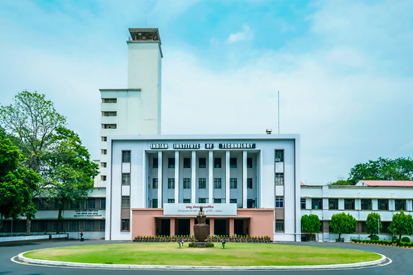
(196, 245)
(406, 240)
(310, 224)
(212, 239)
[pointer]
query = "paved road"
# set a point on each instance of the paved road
(402, 262)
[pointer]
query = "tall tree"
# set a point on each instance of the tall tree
(310, 223)
(70, 170)
(343, 223)
(401, 224)
(31, 123)
(373, 223)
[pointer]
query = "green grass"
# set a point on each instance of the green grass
(234, 254)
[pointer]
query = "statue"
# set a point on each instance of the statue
(201, 229)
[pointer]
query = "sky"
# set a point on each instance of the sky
(343, 69)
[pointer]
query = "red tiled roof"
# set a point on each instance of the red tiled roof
(301, 183)
(388, 182)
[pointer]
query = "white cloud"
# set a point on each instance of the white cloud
(245, 35)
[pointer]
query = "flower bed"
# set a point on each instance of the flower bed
(191, 238)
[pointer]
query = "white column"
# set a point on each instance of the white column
(160, 181)
(193, 178)
(227, 155)
(244, 179)
(211, 176)
(176, 176)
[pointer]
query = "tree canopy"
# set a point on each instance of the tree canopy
(310, 223)
(373, 223)
(401, 224)
(343, 223)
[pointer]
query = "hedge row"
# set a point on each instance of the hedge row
(383, 242)
(216, 238)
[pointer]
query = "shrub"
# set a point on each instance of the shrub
(374, 238)
(406, 239)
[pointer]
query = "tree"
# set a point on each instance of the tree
(342, 223)
(17, 183)
(70, 171)
(401, 224)
(373, 223)
(310, 223)
(31, 124)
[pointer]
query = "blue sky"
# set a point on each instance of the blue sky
(343, 69)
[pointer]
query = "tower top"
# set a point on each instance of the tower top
(145, 35)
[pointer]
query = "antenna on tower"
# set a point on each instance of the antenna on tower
(278, 112)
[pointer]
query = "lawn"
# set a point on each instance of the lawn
(234, 254)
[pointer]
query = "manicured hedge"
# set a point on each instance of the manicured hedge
(216, 238)
(383, 242)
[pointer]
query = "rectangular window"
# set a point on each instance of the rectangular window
(279, 178)
(125, 225)
(217, 200)
(74, 205)
(303, 203)
(233, 163)
(233, 183)
(171, 183)
(187, 183)
(202, 162)
(74, 226)
(103, 151)
(90, 204)
(103, 164)
(171, 200)
(202, 200)
(171, 162)
(249, 183)
(251, 203)
(202, 183)
(126, 156)
(102, 225)
(103, 178)
(187, 163)
(279, 225)
(108, 126)
(104, 139)
(383, 204)
(109, 100)
(126, 179)
(102, 203)
(155, 183)
(279, 155)
(399, 205)
(89, 225)
(249, 162)
(233, 201)
(155, 163)
(316, 203)
(187, 200)
(125, 201)
(279, 202)
(366, 204)
(332, 203)
(217, 183)
(217, 162)
(154, 203)
(108, 113)
(349, 204)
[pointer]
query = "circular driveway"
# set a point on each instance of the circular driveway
(400, 257)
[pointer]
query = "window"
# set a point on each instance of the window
(217, 200)
(187, 200)
(303, 203)
(74, 205)
(279, 155)
(279, 202)
(103, 151)
(125, 201)
(217, 162)
(126, 179)
(249, 183)
(154, 203)
(108, 126)
(332, 203)
(233, 183)
(279, 178)
(233, 201)
(109, 100)
(383, 204)
(349, 204)
(103, 178)
(202, 200)
(366, 205)
(102, 225)
(171, 200)
(187, 183)
(217, 183)
(233, 163)
(104, 139)
(125, 225)
(249, 162)
(155, 183)
(202, 162)
(155, 163)
(108, 113)
(202, 183)
(103, 203)
(187, 163)
(90, 204)
(251, 203)
(89, 225)
(399, 205)
(74, 226)
(126, 156)
(279, 225)
(103, 164)
(171, 162)
(171, 183)
(317, 204)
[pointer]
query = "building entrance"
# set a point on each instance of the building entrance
(163, 226)
(182, 227)
(221, 226)
(241, 226)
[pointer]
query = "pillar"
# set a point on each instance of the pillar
(211, 177)
(211, 226)
(172, 227)
(193, 177)
(191, 226)
(160, 181)
(231, 226)
(227, 175)
(176, 176)
(244, 179)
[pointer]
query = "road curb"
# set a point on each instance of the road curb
(25, 260)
